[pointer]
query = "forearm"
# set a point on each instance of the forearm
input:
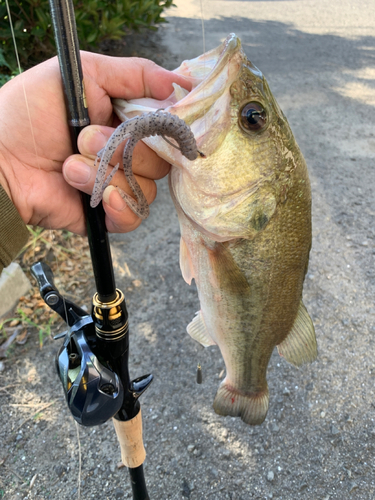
(13, 231)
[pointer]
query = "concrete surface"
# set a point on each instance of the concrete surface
(13, 285)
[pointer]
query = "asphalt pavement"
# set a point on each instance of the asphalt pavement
(318, 440)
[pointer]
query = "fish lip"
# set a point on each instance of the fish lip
(220, 54)
(227, 49)
(224, 52)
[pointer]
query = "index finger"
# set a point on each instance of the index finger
(132, 77)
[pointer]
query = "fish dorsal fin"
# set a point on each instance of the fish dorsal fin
(186, 264)
(299, 347)
(198, 331)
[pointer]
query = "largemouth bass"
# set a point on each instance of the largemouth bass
(245, 218)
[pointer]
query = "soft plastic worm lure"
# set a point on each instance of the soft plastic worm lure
(157, 123)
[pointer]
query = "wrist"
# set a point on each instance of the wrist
(3, 180)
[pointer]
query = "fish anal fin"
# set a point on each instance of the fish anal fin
(186, 264)
(251, 407)
(198, 331)
(300, 347)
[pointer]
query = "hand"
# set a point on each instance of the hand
(35, 143)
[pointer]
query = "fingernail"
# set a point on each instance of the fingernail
(113, 198)
(92, 141)
(77, 172)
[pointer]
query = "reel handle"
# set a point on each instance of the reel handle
(69, 311)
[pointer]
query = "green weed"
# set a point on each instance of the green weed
(97, 20)
(44, 331)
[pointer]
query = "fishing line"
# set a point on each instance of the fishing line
(31, 129)
(23, 83)
(199, 378)
(79, 462)
(52, 234)
(203, 33)
(14, 41)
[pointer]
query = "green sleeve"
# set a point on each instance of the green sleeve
(13, 231)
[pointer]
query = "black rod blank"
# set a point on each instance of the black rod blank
(138, 483)
(64, 24)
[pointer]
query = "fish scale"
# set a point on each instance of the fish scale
(245, 219)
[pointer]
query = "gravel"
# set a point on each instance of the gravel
(318, 439)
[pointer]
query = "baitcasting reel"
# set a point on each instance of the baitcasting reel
(93, 391)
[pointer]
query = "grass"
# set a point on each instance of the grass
(43, 331)
(69, 258)
(38, 236)
(3, 323)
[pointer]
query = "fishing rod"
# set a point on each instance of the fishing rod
(92, 363)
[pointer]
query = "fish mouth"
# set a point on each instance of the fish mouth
(211, 74)
(206, 108)
(205, 72)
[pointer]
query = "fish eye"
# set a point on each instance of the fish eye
(253, 117)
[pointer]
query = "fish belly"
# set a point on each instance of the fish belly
(228, 318)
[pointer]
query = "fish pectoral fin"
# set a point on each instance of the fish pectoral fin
(300, 347)
(186, 264)
(198, 331)
(226, 275)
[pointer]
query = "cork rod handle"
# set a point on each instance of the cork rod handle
(129, 434)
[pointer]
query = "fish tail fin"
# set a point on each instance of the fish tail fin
(299, 347)
(252, 408)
